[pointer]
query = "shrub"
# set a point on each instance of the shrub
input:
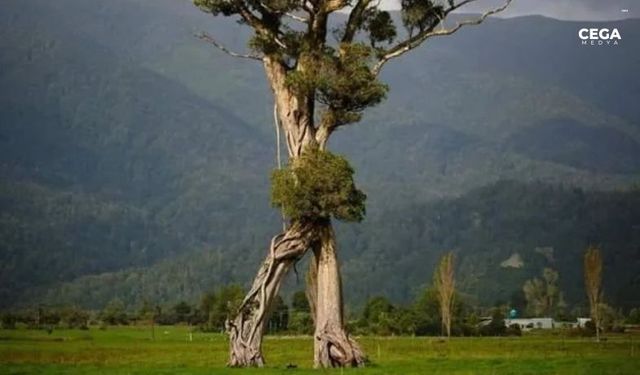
(318, 184)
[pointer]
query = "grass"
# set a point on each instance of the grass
(130, 350)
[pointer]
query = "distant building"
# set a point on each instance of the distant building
(531, 323)
(527, 324)
(583, 321)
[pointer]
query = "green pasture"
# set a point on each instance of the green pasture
(130, 350)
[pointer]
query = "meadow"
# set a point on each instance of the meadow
(177, 350)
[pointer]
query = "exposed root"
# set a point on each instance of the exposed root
(337, 349)
(333, 347)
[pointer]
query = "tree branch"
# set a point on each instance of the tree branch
(259, 24)
(296, 17)
(414, 41)
(355, 18)
(209, 39)
(331, 6)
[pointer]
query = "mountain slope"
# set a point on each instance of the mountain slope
(121, 107)
(394, 254)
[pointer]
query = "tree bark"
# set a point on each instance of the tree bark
(332, 345)
(294, 110)
(312, 288)
(247, 327)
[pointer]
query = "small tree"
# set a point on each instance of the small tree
(148, 313)
(496, 326)
(592, 284)
(218, 306)
(445, 283)
(114, 313)
(543, 295)
(378, 316)
(183, 312)
(301, 321)
(299, 302)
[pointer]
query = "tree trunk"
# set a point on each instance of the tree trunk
(332, 345)
(312, 288)
(247, 327)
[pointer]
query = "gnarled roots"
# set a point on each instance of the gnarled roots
(334, 348)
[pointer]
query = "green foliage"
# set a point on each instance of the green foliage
(544, 297)
(183, 311)
(301, 322)
(8, 320)
(218, 306)
(634, 316)
(420, 14)
(347, 84)
(341, 79)
(611, 320)
(379, 317)
(279, 320)
(75, 317)
(380, 26)
(496, 326)
(216, 7)
(114, 313)
(299, 302)
(318, 185)
(123, 210)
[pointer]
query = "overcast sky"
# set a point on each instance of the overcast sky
(578, 10)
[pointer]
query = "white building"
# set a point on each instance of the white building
(526, 324)
(583, 321)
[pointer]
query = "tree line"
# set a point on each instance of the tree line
(438, 310)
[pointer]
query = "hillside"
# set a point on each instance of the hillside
(394, 253)
(131, 150)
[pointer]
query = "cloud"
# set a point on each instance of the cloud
(578, 10)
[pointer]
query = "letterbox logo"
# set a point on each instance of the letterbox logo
(599, 36)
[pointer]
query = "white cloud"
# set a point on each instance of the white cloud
(561, 9)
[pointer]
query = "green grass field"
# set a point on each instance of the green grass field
(130, 350)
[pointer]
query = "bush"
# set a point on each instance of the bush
(319, 184)
(9, 321)
(513, 330)
(301, 323)
(496, 327)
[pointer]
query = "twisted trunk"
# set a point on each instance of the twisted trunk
(332, 345)
(247, 328)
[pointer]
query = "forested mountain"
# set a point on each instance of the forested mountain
(394, 253)
(134, 158)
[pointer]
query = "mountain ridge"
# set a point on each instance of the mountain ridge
(122, 105)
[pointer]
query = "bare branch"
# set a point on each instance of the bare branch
(259, 25)
(273, 12)
(414, 41)
(209, 39)
(296, 17)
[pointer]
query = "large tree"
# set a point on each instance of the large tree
(323, 74)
